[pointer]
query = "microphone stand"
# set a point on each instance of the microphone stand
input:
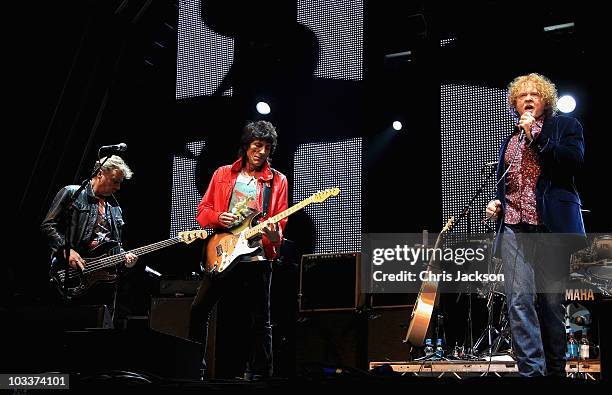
(467, 208)
(68, 209)
(466, 212)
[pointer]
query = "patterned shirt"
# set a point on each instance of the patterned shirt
(522, 179)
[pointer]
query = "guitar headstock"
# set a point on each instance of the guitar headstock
(449, 224)
(321, 196)
(192, 235)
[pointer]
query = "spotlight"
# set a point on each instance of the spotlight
(397, 125)
(263, 108)
(566, 104)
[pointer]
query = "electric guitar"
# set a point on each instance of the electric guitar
(224, 249)
(72, 283)
(423, 308)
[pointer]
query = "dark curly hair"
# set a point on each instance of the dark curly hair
(258, 130)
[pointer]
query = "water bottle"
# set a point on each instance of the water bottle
(456, 351)
(584, 346)
(439, 349)
(428, 348)
(572, 346)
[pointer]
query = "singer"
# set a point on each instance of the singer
(539, 223)
(94, 221)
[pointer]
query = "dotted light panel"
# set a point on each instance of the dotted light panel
(319, 166)
(338, 26)
(446, 41)
(203, 57)
(473, 122)
(185, 194)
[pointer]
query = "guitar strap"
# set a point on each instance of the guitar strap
(266, 195)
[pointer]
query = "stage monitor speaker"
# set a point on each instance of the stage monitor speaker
(386, 333)
(331, 338)
(330, 282)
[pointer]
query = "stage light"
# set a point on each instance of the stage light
(397, 125)
(566, 104)
(263, 108)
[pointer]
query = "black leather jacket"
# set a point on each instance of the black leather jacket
(83, 218)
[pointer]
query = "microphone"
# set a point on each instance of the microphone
(114, 148)
(521, 129)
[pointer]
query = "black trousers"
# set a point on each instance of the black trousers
(251, 279)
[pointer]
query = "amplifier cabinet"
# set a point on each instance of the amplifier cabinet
(330, 282)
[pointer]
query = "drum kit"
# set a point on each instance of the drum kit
(593, 265)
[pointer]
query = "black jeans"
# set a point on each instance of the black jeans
(253, 279)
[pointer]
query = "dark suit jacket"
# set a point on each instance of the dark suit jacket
(560, 148)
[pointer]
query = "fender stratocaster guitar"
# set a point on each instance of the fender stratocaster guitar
(224, 249)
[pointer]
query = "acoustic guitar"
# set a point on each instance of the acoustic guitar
(426, 301)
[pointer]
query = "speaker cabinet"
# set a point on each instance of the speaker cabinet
(330, 282)
(335, 338)
(386, 332)
(171, 316)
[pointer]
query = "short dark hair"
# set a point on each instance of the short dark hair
(258, 130)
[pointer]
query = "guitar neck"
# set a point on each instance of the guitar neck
(431, 262)
(118, 258)
(254, 231)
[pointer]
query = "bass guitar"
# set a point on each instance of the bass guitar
(72, 283)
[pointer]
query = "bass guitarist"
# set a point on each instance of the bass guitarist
(94, 220)
(234, 194)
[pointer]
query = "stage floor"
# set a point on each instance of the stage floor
(590, 369)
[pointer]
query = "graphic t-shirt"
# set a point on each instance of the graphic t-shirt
(243, 202)
(102, 228)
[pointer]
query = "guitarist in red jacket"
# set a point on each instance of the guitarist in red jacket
(235, 193)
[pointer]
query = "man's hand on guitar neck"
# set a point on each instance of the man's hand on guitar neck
(130, 259)
(271, 232)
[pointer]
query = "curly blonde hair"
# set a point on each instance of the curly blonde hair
(544, 86)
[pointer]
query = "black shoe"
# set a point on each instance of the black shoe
(253, 377)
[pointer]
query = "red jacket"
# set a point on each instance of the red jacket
(217, 198)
